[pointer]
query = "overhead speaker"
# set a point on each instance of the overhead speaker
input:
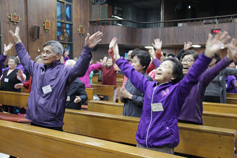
(100, 1)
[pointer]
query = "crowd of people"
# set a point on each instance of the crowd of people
(160, 89)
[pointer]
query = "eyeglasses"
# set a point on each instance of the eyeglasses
(187, 60)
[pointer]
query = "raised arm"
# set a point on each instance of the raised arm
(3, 57)
(28, 64)
(211, 73)
(83, 62)
(186, 47)
(212, 46)
(137, 79)
(155, 61)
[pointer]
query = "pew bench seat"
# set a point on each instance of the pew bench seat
(13, 118)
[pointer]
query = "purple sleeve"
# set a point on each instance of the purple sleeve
(137, 79)
(27, 63)
(66, 58)
(94, 66)
(81, 65)
(156, 62)
(211, 73)
(191, 79)
(2, 60)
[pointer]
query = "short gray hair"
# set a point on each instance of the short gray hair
(38, 57)
(15, 59)
(56, 47)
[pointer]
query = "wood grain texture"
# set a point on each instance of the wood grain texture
(169, 35)
(7, 8)
(197, 140)
(37, 12)
(44, 142)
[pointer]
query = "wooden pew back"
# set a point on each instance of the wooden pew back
(90, 93)
(14, 98)
(194, 139)
(30, 141)
(107, 90)
(215, 119)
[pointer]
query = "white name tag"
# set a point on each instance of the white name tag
(6, 79)
(47, 89)
(157, 107)
(68, 98)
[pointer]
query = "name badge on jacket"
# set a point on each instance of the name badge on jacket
(6, 79)
(157, 107)
(47, 89)
(68, 98)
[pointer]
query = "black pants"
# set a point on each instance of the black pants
(54, 128)
(215, 99)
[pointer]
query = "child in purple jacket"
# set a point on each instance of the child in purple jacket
(163, 100)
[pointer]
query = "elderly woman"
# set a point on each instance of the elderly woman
(76, 93)
(27, 84)
(9, 78)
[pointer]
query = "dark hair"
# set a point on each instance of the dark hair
(172, 55)
(15, 59)
(190, 52)
(217, 56)
(164, 53)
(177, 69)
(143, 56)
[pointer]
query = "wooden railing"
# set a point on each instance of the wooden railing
(168, 23)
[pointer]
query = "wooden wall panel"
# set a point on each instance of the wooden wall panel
(7, 8)
(82, 14)
(169, 35)
(38, 11)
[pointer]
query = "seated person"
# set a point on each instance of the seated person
(76, 94)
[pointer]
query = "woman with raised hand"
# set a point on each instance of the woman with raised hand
(163, 100)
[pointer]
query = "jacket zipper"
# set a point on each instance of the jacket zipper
(151, 116)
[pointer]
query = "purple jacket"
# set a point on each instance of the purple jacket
(230, 84)
(192, 108)
(158, 129)
(2, 60)
(48, 109)
(86, 78)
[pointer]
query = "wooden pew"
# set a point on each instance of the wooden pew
(196, 140)
(90, 93)
(14, 98)
(107, 90)
(105, 107)
(231, 98)
(115, 127)
(220, 107)
(215, 119)
(30, 141)
(119, 77)
(24, 90)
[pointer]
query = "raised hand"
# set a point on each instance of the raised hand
(7, 48)
(66, 53)
(152, 53)
(232, 50)
(113, 44)
(104, 61)
(20, 75)
(213, 45)
(187, 45)
(16, 35)
(18, 85)
(77, 99)
(158, 44)
(93, 40)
